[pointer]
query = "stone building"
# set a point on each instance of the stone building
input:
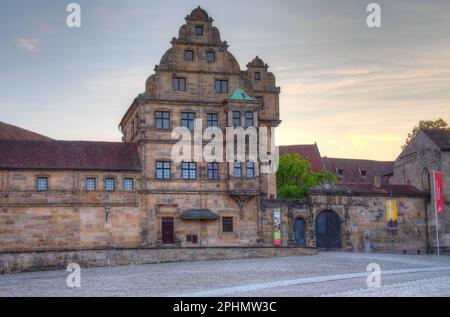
(80, 195)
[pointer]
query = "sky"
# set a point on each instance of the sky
(356, 91)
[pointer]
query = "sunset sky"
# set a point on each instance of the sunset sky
(355, 91)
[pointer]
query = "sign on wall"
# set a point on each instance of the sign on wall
(438, 192)
(391, 214)
(277, 227)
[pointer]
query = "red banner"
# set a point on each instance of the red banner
(438, 193)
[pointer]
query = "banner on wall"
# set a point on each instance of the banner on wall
(391, 214)
(438, 193)
(277, 227)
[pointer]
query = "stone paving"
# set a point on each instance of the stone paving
(288, 276)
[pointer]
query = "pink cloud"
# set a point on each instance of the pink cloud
(28, 44)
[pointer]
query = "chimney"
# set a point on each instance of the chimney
(377, 181)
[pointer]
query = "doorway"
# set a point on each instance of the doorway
(328, 231)
(168, 231)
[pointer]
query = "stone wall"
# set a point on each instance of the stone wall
(15, 262)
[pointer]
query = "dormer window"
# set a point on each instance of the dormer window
(363, 173)
(258, 76)
(199, 30)
(340, 172)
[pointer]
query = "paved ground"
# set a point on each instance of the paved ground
(327, 274)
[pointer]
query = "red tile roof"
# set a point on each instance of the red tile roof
(309, 152)
(68, 155)
(367, 189)
(439, 137)
(352, 169)
(10, 132)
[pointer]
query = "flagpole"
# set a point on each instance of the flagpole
(436, 213)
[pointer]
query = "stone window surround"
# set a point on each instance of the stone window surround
(38, 176)
(96, 183)
(115, 183)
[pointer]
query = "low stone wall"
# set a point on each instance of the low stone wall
(15, 262)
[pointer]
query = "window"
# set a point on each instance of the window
(236, 119)
(110, 184)
(237, 169)
(179, 84)
(212, 120)
(199, 30)
(210, 56)
(221, 86)
(42, 184)
(250, 170)
(227, 224)
(128, 184)
(249, 123)
(340, 172)
(188, 55)
(191, 238)
(213, 171)
(163, 170)
(162, 120)
(189, 170)
(363, 173)
(188, 120)
(257, 76)
(261, 101)
(91, 184)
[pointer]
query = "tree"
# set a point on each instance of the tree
(294, 177)
(424, 125)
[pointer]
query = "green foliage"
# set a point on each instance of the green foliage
(423, 125)
(294, 177)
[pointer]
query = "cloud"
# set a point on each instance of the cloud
(28, 44)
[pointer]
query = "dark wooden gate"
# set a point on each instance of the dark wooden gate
(328, 231)
(300, 240)
(167, 231)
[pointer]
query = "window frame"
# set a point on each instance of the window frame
(192, 55)
(237, 166)
(227, 224)
(38, 179)
(179, 84)
(190, 168)
(247, 113)
(162, 120)
(199, 27)
(258, 76)
(213, 171)
(188, 120)
(250, 166)
(209, 120)
(210, 53)
(166, 166)
(105, 184)
(125, 180)
(219, 86)
(235, 118)
(94, 179)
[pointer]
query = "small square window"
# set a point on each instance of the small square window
(227, 224)
(163, 170)
(210, 57)
(213, 171)
(110, 184)
(42, 184)
(212, 120)
(188, 55)
(199, 30)
(128, 184)
(340, 172)
(257, 76)
(363, 173)
(188, 238)
(188, 120)
(91, 184)
(189, 170)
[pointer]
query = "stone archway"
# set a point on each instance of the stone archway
(328, 231)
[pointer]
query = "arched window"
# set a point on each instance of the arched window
(426, 180)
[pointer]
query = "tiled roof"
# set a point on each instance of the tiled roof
(309, 152)
(68, 155)
(353, 169)
(439, 137)
(10, 132)
(368, 189)
(199, 214)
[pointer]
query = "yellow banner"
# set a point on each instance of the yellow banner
(391, 210)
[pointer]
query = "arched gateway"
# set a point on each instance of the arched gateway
(328, 230)
(300, 238)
